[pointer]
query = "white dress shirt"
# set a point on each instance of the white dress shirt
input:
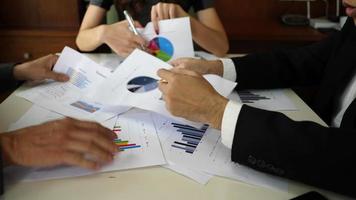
(233, 108)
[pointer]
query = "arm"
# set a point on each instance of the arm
(91, 30)
(208, 32)
(117, 36)
(286, 68)
(7, 79)
(303, 151)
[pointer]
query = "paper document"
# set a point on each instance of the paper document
(174, 39)
(68, 98)
(135, 84)
(273, 100)
(137, 139)
(201, 149)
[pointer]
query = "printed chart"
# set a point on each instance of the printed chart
(161, 48)
(142, 84)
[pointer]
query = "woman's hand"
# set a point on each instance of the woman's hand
(67, 141)
(162, 11)
(121, 39)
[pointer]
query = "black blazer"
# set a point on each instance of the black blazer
(303, 151)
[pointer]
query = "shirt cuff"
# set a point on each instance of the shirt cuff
(231, 114)
(229, 69)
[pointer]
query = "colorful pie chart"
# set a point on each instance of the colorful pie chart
(162, 48)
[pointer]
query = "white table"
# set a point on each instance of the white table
(147, 183)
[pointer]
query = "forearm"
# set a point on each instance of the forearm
(303, 151)
(90, 39)
(211, 40)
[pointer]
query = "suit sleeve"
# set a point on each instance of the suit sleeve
(285, 68)
(303, 151)
(7, 79)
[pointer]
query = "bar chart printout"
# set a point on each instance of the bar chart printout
(123, 144)
(250, 97)
(191, 137)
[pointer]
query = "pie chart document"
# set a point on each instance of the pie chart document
(174, 39)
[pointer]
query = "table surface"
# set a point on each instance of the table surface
(146, 183)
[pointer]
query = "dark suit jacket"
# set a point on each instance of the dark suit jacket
(6, 81)
(6, 77)
(303, 151)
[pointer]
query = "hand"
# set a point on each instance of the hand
(200, 66)
(67, 141)
(39, 70)
(187, 94)
(162, 11)
(120, 39)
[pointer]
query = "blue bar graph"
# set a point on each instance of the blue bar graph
(191, 137)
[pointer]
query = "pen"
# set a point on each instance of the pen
(132, 25)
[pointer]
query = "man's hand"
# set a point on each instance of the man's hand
(187, 94)
(162, 11)
(200, 66)
(39, 70)
(67, 141)
(120, 39)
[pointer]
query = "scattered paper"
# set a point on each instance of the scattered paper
(69, 98)
(143, 148)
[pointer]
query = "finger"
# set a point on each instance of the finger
(171, 12)
(138, 40)
(159, 11)
(184, 71)
(163, 87)
(77, 159)
(138, 24)
(91, 149)
(165, 74)
(165, 11)
(56, 76)
(154, 19)
(52, 60)
(97, 128)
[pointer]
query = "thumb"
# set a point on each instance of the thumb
(138, 24)
(57, 76)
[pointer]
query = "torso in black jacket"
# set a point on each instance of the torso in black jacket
(303, 151)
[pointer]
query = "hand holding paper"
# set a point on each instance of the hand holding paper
(187, 94)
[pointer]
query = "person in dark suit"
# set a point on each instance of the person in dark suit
(269, 141)
(66, 141)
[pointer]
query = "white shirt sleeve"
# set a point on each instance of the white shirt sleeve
(229, 69)
(228, 125)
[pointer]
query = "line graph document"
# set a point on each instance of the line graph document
(201, 149)
(142, 149)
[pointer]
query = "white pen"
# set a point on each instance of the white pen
(132, 25)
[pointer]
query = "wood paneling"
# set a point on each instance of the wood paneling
(256, 25)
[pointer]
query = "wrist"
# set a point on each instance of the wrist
(217, 112)
(18, 72)
(102, 32)
(216, 67)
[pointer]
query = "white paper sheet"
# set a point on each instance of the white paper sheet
(68, 98)
(273, 100)
(174, 39)
(120, 88)
(205, 152)
(138, 129)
